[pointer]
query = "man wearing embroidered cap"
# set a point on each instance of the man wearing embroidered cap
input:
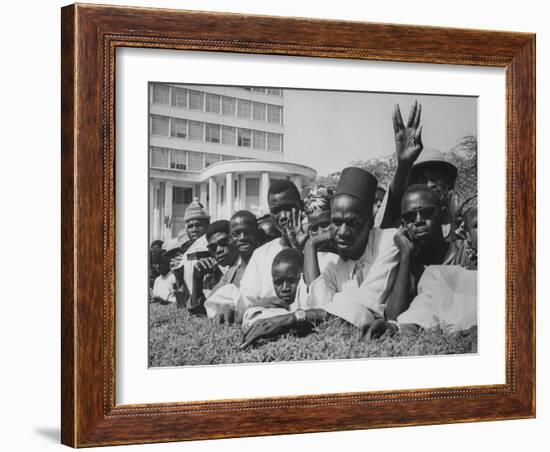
(196, 222)
(356, 285)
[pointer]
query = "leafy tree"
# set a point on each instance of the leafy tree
(463, 154)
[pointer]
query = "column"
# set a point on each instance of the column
(297, 180)
(242, 192)
(228, 195)
(203, 195)
(153, 211)
(213, 194)
(264, 187)
(167, 218)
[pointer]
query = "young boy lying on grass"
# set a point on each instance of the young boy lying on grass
(291, 291)
(447, 294)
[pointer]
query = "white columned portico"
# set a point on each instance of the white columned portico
(228, 195)
(167, 220)
(242, 192)
(154, 213)
(203, 195)
(213, 196)
(264, 187)
(297, 180)
(233, 176)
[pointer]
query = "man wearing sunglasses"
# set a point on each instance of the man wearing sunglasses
(208, 271)
(421, 243)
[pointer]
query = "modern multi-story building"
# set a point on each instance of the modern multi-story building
(223, 145)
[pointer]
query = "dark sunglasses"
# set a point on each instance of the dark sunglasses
(224, 243)
(426, 213)
(237, 234)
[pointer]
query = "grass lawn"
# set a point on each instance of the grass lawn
(179, 339)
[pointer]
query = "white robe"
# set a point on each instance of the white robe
(447, 297)
(257, 283)
(255, 313)
(357, 290)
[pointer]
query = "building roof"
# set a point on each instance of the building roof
(256, 166)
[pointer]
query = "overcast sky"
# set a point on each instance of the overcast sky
(326, 130)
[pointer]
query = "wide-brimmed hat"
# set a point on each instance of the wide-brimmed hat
(195, 211)
(433, 158)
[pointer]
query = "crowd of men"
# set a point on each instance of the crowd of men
(384, 261)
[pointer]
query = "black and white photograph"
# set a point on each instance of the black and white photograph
(294, 224)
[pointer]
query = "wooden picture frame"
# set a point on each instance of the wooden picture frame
(90, 37)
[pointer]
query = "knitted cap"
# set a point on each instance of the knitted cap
(195, 211)
(358, 183)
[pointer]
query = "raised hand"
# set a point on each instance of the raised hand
(408, 140)
(295, 230)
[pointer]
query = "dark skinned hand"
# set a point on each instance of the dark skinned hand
(378, 328)
(225, 315)
(295, 230)
(204, 266)
(263, 328)
(408, 140)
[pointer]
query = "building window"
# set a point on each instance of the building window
(222, 195)
(196, 100)
(196, 161)
(228, 135)
(196, 130)
(228, 157)
(275, 91)
(159, 157)
(244, 108)
(243, 138)
(274, 142)
(229, 105)
(259, 90)
(252, 199)
(212, 103)
(179, 97)
(274, 113)
(160, 125)
(161, 94)
(212, 133)
(178, 128)
(178, 159)
(211, 159)
(182, 195)
(236, 188)
(258, 111)
(258, 139)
